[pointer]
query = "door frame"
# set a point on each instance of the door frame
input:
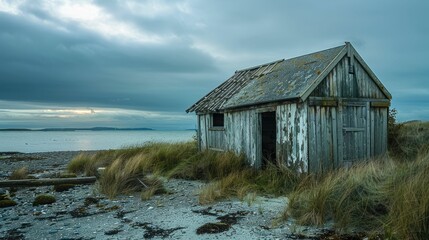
(259, 148)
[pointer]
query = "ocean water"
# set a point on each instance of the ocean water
(35, 141)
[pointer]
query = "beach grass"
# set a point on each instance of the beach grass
(20, 173)
(388, 196)
(226, 173)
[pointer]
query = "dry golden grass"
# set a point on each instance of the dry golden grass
(387, 197)
(273, 180)
(126, 169)
(230, 176)
(21, 173)
(236, 184)
(410, 139)
(122, 176)
(408, 216)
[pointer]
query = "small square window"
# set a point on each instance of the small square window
(218, 120)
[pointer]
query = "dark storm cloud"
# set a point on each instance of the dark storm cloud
(44, 64)
(192, 46)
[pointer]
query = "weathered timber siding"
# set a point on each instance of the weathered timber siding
(292, 136)
(210, 137)
(242, 134)
(339, 83)
(323, 133)
(216, 139)
(378, 131)
(355, 132)
(203, 128)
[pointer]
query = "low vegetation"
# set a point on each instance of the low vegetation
(7, 203)
(137, 168)
(21, 173)
(386, 196)
(44, 199)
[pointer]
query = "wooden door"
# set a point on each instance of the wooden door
(354, 140)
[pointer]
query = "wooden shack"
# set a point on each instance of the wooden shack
(312, 113)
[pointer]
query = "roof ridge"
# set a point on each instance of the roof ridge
(260, 65)
(344, 45)
(283, 59)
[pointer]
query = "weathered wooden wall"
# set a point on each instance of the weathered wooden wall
(345, 134)
(203, 128)
(243, 134)
(322, 138)
(343, 121)
(339, 83)
(378, 131)
(292, 145)
(355, 130)
(343, 126)
(210, 137)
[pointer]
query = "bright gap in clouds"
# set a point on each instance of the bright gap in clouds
(90, 117)
(91, 17)
(88, 112)
(98, 20)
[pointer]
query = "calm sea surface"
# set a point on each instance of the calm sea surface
(36, 141)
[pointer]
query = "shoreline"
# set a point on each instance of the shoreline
(128, 217)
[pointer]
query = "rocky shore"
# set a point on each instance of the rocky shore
(83, 213)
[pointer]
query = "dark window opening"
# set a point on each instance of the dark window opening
(218, 120)
(268, 138)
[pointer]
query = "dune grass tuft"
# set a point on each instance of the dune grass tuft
(409, 140)
(21, 173)
(126, 171)
(383, 196)
(273, 180)
(350, 197)
(408, 216)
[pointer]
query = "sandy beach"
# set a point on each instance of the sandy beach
(83, 213)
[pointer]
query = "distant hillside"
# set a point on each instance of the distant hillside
(77, 129)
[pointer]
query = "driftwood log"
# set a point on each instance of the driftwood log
(46, 181)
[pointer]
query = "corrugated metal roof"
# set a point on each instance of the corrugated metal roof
(275, 81)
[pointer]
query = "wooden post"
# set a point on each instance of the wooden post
(46, 182)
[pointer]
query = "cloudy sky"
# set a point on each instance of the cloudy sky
(142, 63)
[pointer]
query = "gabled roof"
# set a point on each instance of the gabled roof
(294, 78)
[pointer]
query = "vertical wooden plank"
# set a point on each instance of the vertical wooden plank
(198, 133)
(312, 153)
(372, 133)
(303, 137)
(258, 159)
(291, 133)
(378, 133)
(368, 130)
(334, 137)
(318, 141)
(340, 133)
(328, 137)
(323, 134)
(279, 133)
